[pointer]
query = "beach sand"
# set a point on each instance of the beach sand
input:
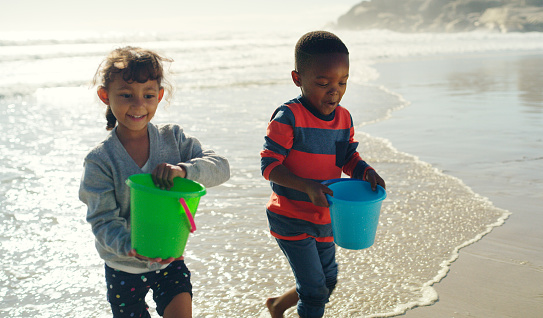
(499, 276)
(479, 118)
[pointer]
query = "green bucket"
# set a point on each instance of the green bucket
(161, 220)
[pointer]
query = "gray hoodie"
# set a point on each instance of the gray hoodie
(104, 191)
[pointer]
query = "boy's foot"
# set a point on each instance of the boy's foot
(271, 304)
(278, 305)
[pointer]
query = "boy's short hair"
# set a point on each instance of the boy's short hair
(313, 43)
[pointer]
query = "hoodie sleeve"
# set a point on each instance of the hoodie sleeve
(97, 191)
(202, 165)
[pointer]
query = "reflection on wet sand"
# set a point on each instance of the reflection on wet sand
(524, 75)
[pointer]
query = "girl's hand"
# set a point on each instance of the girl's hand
(316, 192)
(374, 179)
(164, 173)
(154, 260)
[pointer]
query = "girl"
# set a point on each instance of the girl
(131, 87)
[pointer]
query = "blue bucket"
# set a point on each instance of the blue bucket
(354, 210)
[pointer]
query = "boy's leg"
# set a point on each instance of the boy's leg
(173, 291)
(327, 254)
(306, 265)
(126, 294)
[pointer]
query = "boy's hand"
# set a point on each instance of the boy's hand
(374, 179)
(164, 173)
(316, 192)
(154, 260)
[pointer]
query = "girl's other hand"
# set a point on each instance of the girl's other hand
(374, 179)
(164, 174)
(133, 253)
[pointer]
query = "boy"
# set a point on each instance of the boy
(310, 139)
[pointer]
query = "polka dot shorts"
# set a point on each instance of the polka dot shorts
(126, 292)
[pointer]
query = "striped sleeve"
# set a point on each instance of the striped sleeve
(355, 166)
(278, 140)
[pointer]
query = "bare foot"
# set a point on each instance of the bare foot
(274, 312)
(278, 305)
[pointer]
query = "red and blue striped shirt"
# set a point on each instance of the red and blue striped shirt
(311, 146)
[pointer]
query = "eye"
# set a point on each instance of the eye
(342, 84)
(149, 96)
(125, 95)
(322, 84)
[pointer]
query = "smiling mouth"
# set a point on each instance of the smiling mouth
(137, 117)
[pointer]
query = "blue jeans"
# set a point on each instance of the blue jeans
(315, 269)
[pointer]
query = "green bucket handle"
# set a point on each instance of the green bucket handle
(189, 215)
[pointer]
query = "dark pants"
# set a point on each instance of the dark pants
(315, 269)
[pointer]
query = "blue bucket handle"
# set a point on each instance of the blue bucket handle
(189, 215)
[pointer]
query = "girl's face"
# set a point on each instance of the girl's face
(133, 104)
(325, 81)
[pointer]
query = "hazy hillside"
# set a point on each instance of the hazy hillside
(445, 15)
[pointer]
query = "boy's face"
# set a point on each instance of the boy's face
(324, 81)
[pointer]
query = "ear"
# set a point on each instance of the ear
(296, 78)
(103, 95)
(160, 94)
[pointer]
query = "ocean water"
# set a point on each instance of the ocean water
(226, 88)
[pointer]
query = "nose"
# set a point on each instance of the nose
(333, 91)
(139, 101)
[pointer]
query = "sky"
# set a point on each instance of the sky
(168, 15)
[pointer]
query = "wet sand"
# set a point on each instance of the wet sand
(479, 118)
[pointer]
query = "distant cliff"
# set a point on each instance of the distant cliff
(445, 15)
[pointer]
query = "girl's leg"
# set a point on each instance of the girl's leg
(179, 307)
(278, 305)
(126, 293)
(173, 291)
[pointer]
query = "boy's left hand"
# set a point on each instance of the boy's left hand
(374, 179)
(164, 173)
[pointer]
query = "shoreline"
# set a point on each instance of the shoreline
(499, 275)
(490, 278)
